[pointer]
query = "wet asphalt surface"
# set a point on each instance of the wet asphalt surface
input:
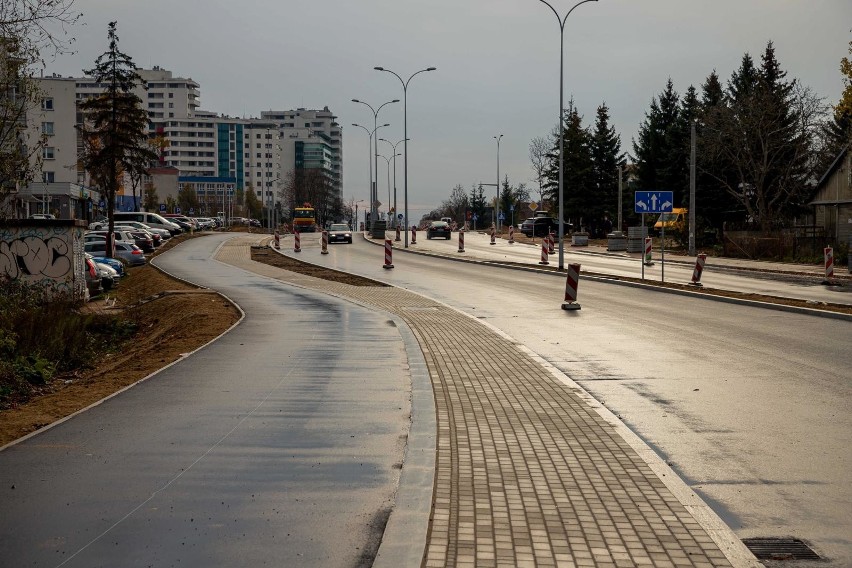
(277, 445)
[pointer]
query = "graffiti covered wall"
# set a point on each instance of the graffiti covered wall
(44, 253)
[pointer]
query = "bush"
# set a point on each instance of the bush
(41, 337)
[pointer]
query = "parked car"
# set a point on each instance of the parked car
(43, 216)
(339, 233)
(127, 251)
(150, 219)
(439, 229)
(142, 235)
(164, 233)
(186, 223)
(113, 263)
(109, 277)
(93, 278)
(540, 226)
(120, 235)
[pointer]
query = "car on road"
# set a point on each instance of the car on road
(439, 229)
(126, 251)
(339, 233)
(540, 226)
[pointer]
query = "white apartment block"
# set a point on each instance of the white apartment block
(208, 149)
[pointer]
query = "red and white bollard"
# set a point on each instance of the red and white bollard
(543, 252)
(648, 261)
(699, 269)
(493, 237)
(571, 283)
(550, 244)
(388, 254)
(829, 264)
(413, 235)
(297, 241)
(397, 234)
(325, 242)
(461, 240)
(277, 239)
(511, 235)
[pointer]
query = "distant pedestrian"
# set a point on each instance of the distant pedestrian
(607, 225)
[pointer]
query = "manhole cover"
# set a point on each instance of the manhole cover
(780, 549)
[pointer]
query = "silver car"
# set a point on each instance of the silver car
(128, 252)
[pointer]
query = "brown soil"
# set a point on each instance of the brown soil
(266, 256)
(173, 318)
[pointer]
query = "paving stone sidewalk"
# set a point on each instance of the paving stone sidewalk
(528, 471)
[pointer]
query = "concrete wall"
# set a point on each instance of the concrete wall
(44, 253)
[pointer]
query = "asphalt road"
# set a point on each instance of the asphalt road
(277, 445)
(674, 269)
(748, 405)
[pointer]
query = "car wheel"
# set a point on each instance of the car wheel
(448, 237)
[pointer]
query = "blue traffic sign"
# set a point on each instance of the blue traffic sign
(475, 216)
(501, 217)
(177, 210)
(192, 211)
(162, 206)
(101, 204)
(654, 202)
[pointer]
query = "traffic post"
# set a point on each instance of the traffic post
(551, 246)
(543, 252)
(493, 237)
(297, 240)
(325, 242)
(699, 269)
(413, 235)
(461, 240)
(829, 265)
(648, 245)
(277, 239)
(571, 283)
(388, 254)
(511, 234)
(397, 234)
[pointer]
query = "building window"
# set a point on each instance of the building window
(258, 145)
(47, 104)
(48, 177)
(47, 128)
(48, 152)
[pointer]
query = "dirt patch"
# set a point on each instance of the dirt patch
(173, 318)
(272, 258)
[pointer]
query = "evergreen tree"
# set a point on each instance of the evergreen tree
(714, 204)
(837, 131)
(763, 140)
(606, 157)
(477, 202)
(578, 177)
(114, 128)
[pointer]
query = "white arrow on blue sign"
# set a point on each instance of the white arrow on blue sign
(654, 202)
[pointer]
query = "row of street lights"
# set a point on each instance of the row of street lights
(374, 141)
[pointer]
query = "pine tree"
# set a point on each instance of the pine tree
(714, 204)
(578, 177)
(114, 128)
(477, 202)
(606, 157)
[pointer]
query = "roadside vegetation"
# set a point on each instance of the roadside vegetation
(43, 340)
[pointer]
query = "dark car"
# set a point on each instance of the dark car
(439, 229)
(339, 233)
(541, 226)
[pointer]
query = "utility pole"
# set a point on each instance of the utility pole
(692, 188)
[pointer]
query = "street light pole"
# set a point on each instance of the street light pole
(692, 188)
(405, 134)
(497, 138)
(375, 195)
(395, 210)
(369, 154)
(559, 125)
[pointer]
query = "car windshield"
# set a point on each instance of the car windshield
(668, 217)
(439, 224)
(339, 227)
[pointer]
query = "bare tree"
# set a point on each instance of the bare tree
(29, 30)
(540, 149)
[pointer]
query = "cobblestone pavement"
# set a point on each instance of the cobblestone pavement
(529, 472)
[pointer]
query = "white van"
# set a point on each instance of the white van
(150, 219)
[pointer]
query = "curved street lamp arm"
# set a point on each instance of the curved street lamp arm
(572, 9)
(417, 73)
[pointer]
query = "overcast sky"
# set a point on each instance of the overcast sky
(497, 60)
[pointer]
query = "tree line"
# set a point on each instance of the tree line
(762, 141)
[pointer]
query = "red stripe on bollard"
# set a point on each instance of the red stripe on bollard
(829, 264)
(414, 235)
(493, 241)
(550, 244)
(388, 254)
(297, 242)
(699, 269)
(571, 283)
(325, 242)
(543, 252)
(277, 239)
(648, 245)
(461, 240)
(397, 234)
(511, 235)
